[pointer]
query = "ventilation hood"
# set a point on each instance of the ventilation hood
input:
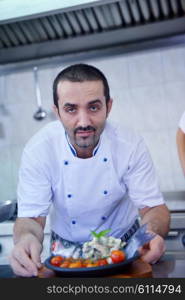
(12, 9)
(90, 26)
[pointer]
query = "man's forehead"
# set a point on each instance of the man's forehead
(80, 93)
(71, 87)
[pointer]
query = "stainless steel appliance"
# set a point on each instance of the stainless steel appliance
(7, 209)
(175, 241)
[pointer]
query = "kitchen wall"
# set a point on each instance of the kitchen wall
(148, 89)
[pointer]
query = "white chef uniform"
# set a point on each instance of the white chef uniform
(96, 193)
(182, 123)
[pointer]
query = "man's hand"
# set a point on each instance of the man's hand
(157, 219)
(28, 238)
(152, 251)
(25, 257)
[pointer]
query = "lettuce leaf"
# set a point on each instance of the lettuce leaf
(101, 233)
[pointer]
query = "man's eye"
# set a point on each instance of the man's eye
(93, 108)
(71, 110)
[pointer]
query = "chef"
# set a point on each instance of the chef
(180, 137)
(87, 173)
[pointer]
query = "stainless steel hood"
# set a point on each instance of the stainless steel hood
(126, 25)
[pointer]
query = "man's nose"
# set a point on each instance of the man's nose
(83, 119)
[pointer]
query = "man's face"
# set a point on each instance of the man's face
(82, 111)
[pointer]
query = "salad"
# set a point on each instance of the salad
(101, 250)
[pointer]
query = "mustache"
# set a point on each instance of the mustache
(88, 128)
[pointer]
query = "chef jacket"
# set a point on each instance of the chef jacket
(182, 123)
(102, 192)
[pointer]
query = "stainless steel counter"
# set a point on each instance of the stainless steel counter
(167, 267)
(175, 241)
(175, 200)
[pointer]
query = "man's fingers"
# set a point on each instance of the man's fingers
(19, 269)
(150, 256)
(22, 257)
(144, 249)
(35, 255)
(155, 250)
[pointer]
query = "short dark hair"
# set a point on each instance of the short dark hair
(80, 73)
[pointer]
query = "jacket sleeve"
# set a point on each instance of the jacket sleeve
(141, 179)
(34, 187)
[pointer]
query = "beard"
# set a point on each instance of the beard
(88, 140)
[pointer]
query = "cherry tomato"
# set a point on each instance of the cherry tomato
(69, 259)
(92, 265)
(76, 264)
(117, 256)
(64, 264)
(56, 260)
(85, 262)
(102, 262)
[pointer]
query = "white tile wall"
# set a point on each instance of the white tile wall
(6, 180)
(122, 108)
(173, 64)
(149, 108)
(158, 143)
(148, 90)
(173, 94)
(177, 174)
(145, 69)
(114, 69)
(19, 87)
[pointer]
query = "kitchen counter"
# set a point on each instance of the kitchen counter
(175, 200)
(167, 267)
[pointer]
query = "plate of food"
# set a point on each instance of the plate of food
(103, 255)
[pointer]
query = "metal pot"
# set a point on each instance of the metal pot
(7, 210)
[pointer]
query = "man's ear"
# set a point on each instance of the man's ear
(109, 106)
(56, 112)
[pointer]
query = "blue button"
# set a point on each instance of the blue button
(104, 218)
(105, 159)
(73, 222)
(69, 195)
(66, 162)
(105, 192)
